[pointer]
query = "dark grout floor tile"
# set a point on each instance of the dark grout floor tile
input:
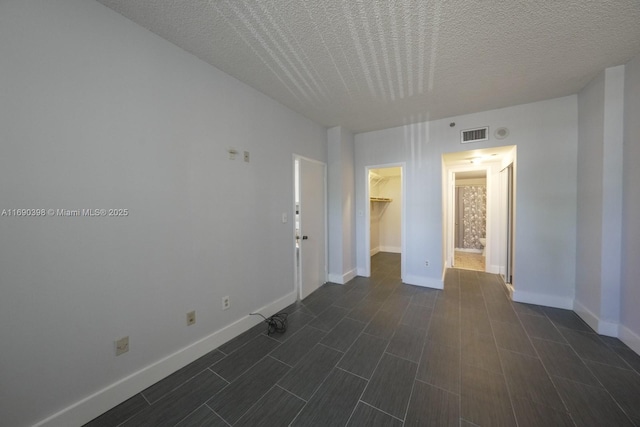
(511, 336)
(432, 406)
(444, 330)
(566, 319)
(383, 324)
(202, 417)
(541, 327)
(623, 384)
(527, 379)
(440, 366)
(426, 298)
(334, 402)
(390, 386)
(589, 405)
(234, 364)
(484, 399)
(417, 316)
(407, 343)
(502, 311)
(560, 360)
(366, 415)
(276, 408)
(351, 299)
(178, 404)
(529, 309)
(306, 376)
(120, 413)
(295, 348)
(232, 402)
(237, 342)
(629, 356)
(328, 319)
(481, 351)
(365, 310)
(396, 303)
(159, 389)
(363, 357)
(344, 334)
(531, 414)
(589, 346)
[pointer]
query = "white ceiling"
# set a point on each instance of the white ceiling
(373, 64)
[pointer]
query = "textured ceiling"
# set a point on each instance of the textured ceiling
(373, 64)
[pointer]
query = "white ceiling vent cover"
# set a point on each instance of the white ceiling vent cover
(474, 135)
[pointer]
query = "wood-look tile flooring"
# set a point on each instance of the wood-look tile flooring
(376, 352)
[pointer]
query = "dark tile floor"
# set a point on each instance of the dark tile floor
(376, 352)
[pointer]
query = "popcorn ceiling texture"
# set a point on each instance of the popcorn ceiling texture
(373, 64)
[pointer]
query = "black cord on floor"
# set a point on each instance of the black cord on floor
(275, 323)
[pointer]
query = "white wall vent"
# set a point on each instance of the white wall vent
(474, 135)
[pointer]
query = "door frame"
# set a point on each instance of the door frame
(449, 224)
(297, 277)
(403, 215)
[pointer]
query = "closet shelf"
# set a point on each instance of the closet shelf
(381, 199)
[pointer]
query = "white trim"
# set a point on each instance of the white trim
(342, 278)
(493, 269)
(101, 401)
(602, 327)
(542, 299)
(391, 249)
(426, 282)
(630, 338)
(365, 270)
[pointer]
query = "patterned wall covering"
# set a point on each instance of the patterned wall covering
(474, 215)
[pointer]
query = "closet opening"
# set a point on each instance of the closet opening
(385, 213)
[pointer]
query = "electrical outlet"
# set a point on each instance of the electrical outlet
(246, 156)
(122, 346)
(226, 303)
(426, 263)
(191, 318)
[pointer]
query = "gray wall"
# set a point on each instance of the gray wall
(546, 137)
(97, 112)
(630, 314)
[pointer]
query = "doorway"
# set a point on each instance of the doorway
(498, 196)
(385, 212)
(310, 183)
(470, 220)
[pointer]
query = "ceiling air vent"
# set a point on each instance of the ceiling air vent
(474, 135)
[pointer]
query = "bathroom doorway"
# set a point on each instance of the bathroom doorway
(470, 219)
(481, 164)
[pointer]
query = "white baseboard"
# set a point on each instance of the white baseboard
(342, 278)
(98, 403)
(602, 327)
(630, 338)
(374, 251)
(426, 282)
(391, 249)
(493, 269)
(542, 299)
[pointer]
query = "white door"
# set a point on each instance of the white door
(312, 234)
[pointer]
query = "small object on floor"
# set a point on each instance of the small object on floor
(275, 323)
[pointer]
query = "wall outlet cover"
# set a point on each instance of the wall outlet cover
(122, 345)
(191, 317)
